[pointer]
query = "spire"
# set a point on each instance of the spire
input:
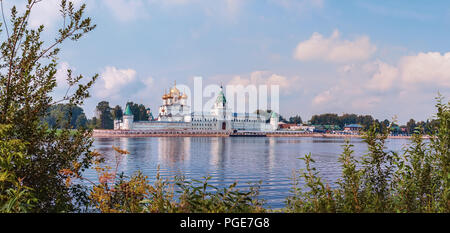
(221, 97)
(128, 111)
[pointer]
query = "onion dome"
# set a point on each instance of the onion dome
(174, 90)
(184, 96)
(165, 95)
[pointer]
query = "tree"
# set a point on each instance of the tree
(117, 112)
(139, 111)
(295, 119)
(27, 77)
(410, 126)
(325, 119)
(105, 118)
(65, 116)
(92, 123)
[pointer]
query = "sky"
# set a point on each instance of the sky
(383, 58)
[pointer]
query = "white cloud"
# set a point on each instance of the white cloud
(61, 74)
(323, 98)
(383, 89)
(113, 81)
(334, 49)
(384, 78)
(268, 78)
(426, 68)
(368, 103)
(127, 10)
(121, 85)
(47, 12)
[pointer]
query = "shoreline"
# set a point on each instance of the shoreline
(142, 133)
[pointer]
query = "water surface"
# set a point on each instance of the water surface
(271, 160)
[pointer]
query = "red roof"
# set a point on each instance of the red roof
(285, 126)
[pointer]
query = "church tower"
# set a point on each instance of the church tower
(274, 121)
(220, 111)
(128, 118)
(220, 107)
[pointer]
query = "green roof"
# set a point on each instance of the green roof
(274, 115)
(128, 111)
(221, 98)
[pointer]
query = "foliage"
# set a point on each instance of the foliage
(266, 114)
(333, 119)
(117, 112)
(317, 198)
(295, 119)
(38, 163)
(114, 193)
(65, 115)
(105, 117)
(14, 195)
(418, 180)
(27, 77)
(139, 111)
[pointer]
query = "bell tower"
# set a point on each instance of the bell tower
(128, 118)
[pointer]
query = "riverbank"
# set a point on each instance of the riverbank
(177, 133)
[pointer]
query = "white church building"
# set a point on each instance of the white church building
(175, 114)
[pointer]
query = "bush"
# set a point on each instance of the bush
(114, 193)
(418, 180)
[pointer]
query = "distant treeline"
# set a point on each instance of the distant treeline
(367, 120)
(105, 115)
(59, 115)
(65, 116)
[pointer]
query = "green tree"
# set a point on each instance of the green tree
(27, 77)
(117, 112)
(139, 111)
(14, 195)
(65, 115)
(92, 123)
(410, 126)
(295, 119)
(105, 117)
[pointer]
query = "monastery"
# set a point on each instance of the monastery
(175, 114)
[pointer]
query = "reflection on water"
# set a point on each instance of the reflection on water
(174, 150)
(228, 159)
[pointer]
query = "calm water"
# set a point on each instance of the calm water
(246, 160)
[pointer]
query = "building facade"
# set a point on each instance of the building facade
(176, 114)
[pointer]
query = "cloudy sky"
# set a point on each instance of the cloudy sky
(385, 58)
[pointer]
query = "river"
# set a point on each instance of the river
(271, 160)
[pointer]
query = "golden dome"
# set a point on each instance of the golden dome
(184, 96)
(174, 91)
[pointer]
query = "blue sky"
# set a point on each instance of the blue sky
(384, 58)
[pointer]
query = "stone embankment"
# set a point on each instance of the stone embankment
(191, 133)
